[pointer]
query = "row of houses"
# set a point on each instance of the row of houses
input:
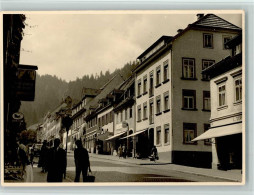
(167, 101)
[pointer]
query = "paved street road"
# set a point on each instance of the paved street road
(114, 171)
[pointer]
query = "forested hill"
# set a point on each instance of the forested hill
(50, 90)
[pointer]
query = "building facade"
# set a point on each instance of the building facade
(172, 97)
(226, 113)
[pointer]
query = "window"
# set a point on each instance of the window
(139, 87)
(145, 85)
(206, 100)
(130, 112)
(165, 71)
(158, 135)
(158, 104)
(222, 95)
(145, 110)
(208, 40)
(207, 141)
(189, 99)
(151, 85)
(166, 134)
(206, 64)
(151, 111)
(158, 75)
(125, 114)
(166, 101)
(188, 68)
(189, 132)
(226, 39)
(139, 113)
(238, 89)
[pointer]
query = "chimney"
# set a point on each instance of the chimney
(199, 16)
(179, 30)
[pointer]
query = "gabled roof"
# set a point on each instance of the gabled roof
(107, 88)
(211, 20)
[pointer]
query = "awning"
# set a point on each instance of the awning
(116, 135)
(135, 133)
(220, 131)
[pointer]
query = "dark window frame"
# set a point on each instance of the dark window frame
(186, 92)
(204, 41)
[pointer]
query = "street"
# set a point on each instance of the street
(114, 171)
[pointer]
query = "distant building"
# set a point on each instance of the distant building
(52, 122)
(226, 112)
(91, 114)
(173, 97)
(124, 117)
(78, 127)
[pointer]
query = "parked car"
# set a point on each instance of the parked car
(37, 149)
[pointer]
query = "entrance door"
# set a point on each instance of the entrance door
(150, 140)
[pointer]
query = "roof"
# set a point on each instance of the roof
(224, 65)
(107, 88)
(234, 41)
(165, 38)
(212, 20)
(209, 21)
(89, 92)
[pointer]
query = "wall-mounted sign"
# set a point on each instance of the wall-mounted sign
(25, 82)
(17, 116)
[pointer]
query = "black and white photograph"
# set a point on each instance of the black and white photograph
(123, 98)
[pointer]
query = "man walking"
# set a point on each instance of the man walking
(82, 162)
(56, 163)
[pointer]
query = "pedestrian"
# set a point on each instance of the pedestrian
(43, 156)
(31, 154)
(82, 162)
(154, 154)
(56, 163)
(27, 170)
(120, 151)
(124, 151)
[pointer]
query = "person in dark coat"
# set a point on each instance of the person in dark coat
(56, 163)
(43, 156)
(82, 162)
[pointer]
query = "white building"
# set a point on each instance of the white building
(226, 113)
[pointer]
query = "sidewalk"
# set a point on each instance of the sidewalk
(39, 177)
(231, 175)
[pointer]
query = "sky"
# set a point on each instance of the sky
(74, 45)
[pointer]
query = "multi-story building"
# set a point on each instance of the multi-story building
(124, 118)
(52, 122)
(172, 96)
(78, 127)
(226, 109)
(91, 114)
